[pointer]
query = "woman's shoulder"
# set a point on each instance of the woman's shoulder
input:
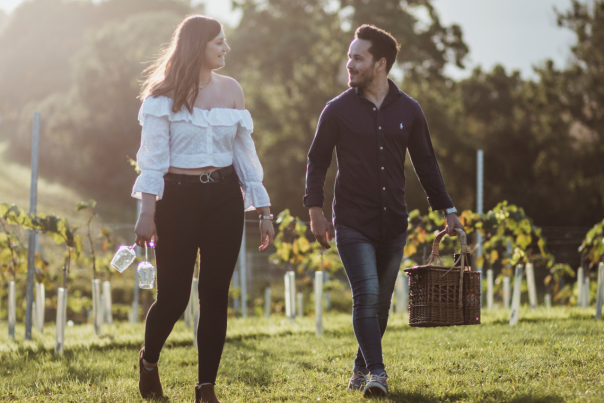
(233, 88)
(228, 82)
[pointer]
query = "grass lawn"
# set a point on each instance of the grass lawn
(551, 356)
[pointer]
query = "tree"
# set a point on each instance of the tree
(90, 130)
(290, 58)
(426, 45)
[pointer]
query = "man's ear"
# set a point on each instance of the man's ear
(381, 64)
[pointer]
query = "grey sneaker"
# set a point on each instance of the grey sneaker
(377, 386)
(358, 380)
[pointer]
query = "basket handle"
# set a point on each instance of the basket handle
(462, 239)
(464, 249)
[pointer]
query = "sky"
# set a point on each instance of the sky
(515, 33)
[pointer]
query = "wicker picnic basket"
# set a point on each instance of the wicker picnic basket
(444, 295)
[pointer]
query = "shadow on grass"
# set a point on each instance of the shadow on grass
(497, 396)
(33, 352)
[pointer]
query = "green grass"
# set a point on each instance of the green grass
(551, 356)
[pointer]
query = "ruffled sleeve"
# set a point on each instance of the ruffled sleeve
(153, 156)
(248, 168)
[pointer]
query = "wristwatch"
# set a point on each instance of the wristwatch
(449, 210)
(266, 217)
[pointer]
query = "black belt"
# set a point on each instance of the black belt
(211, 177)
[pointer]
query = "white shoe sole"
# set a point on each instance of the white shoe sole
(375, 389)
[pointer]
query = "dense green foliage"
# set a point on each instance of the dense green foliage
(509, 237)
(14, 223)
(295, 251)
(593, 245)
(550, 356)
(13, 253)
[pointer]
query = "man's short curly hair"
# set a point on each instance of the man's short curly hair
(383, 44)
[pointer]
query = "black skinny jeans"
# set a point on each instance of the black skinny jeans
(191, 217)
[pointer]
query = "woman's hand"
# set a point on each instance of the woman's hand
(145, 226)
(145, 230)
(267, 234)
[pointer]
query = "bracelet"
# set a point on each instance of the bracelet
(266, 217)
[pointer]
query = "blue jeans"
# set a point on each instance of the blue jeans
(371, 268)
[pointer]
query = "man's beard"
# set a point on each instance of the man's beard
(362, 78)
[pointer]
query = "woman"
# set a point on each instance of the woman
(199, 172)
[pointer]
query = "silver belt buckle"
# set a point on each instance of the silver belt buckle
(206, 178)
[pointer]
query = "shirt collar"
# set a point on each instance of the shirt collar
(393, 92)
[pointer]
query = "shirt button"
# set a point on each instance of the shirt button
(381, 148)
(380, 127)
(384, 208)
(382, 168)
(374, 108)
(383, 188)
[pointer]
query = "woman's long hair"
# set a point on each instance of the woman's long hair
(176, 71)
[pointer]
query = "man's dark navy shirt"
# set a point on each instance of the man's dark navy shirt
(370, 147)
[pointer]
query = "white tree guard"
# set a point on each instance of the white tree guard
(299, 304)
(290, 295)
(40, 306)
(107, 303)
(286, 297)
(402, 303)
(97, 307)
(267, 302)
(506, 292)
(532, 289)
(515, 311)
(489, 289)
(580, 283)
(319, 303)
(12, 309)
(600, 295)
(61, 320)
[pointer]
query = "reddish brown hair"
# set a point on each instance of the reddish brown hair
(176, 71)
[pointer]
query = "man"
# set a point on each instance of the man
(371, 125)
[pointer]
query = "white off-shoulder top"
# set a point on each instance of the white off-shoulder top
(217, 137)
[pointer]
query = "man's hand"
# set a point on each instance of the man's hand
(320, 226)
(452, 223)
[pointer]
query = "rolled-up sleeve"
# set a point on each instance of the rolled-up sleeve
(319, 158)
(425, 164)
(153, 157)
(249, 170)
